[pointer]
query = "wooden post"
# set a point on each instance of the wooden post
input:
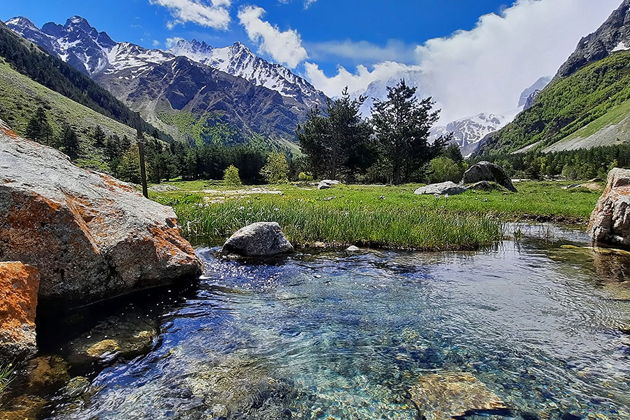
(143, 169)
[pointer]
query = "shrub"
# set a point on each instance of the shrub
(276, 170)
(305, 176)
(231, 177)
(443, 169)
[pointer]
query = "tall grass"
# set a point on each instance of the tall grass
(357, 223)
(6, 376)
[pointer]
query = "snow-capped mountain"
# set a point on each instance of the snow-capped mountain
(529, 95)
(468, 131)
(222, 85)
(93, 52)
(239, 61)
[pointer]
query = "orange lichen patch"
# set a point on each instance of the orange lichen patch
(29, 213)
(8, 132)
(169, 241)
(19, 284)
(113, 183)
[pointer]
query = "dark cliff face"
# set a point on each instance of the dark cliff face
(613, 35)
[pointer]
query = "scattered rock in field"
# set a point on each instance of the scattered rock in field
(591, 186)
(46, 373)
(610, 221)
(487, 171)
(263, 239)
(329, 198)
(353, 249)
(326, 184)
(164, 188)
(19, 284)
(101, 237)
(486, 186)
(444, 188)
(447, 395)
(113, 338)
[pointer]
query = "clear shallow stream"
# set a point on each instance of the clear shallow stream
(338, 336)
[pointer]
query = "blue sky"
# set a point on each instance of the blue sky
(471, 56)
(379, 22)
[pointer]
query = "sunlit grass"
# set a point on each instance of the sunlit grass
(377, 216)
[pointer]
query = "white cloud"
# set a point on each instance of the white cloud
(211, 13)
(284, 47)
(485, 69)
(171, 42)
(155, 43)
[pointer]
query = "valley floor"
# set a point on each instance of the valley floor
(373, 216)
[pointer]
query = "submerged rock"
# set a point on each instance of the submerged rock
(263, 239)
(113, 338)
(19, 284)
(443, 188)
(89, 235)
(447, 395)
(46, 373)
(488, 171)
(610, 221)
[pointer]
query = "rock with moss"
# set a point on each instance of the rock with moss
(610, 221)
(488, 171)
(113, 338)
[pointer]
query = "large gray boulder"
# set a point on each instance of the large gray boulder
(443, 188)
(610, 221)
(327, 183)
(263, 239)
(89, 235)
(488, 171)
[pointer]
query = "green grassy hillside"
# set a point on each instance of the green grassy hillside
(576, 107)
(22, 96)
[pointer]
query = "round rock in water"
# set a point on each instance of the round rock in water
(263, 239)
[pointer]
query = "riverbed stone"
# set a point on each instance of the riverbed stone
(46, 373)
(443, 188)
(446, 395)
(19, 284)
(488, 171)
(89, 235)
(610, 220)
(263, 239)
(113, 338)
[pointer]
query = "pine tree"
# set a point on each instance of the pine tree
(231, 177)
(70, 143)
(402, 123)
(99, 136)
(339, 140)
(39, 128)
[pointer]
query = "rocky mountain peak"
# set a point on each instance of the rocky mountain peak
(612, 36)
(21, 21)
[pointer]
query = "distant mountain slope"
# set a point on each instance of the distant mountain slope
(259, 98)
(468, 131)
(60, 77)
(239, 61)
(22, 96)
(586, 103)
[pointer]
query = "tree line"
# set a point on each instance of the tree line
(392, 146)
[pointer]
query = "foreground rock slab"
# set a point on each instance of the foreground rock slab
(263, 239)
(610, 221)
(447, 395)
(443, 188)
(488, 171)
(89, 235)
(19, 284)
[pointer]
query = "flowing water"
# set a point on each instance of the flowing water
(339, 336)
